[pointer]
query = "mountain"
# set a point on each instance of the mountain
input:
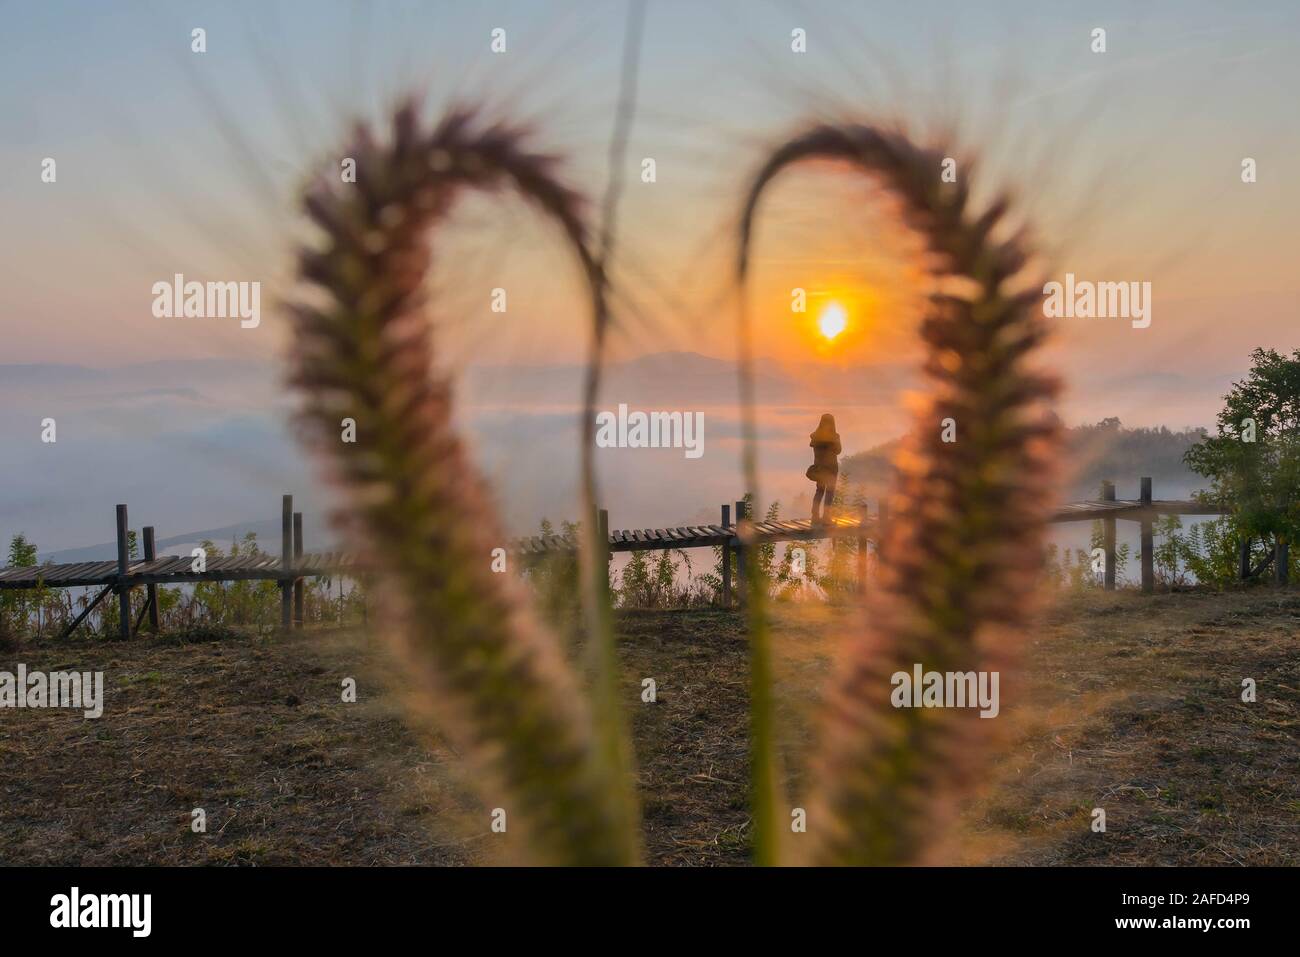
(1106, 450)
(268, 539)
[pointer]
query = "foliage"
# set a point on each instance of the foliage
(1208, 553)
(652, 582)
(1069, 568)
(241, 603)
(1254, 461)
(1097, 540)
(555, 578)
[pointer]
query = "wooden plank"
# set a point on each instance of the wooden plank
(32, 572)
(151, 567)
(60, 572)
(89, 573)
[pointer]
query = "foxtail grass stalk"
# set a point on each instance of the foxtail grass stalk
(494, 675)
(766, 790)
(968, 517)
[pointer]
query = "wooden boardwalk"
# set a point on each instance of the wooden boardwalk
(179, 570)
(172, 570)
(292, 566)
(844, 526)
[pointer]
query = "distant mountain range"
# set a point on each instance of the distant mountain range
(268, 539)
(1105, 451)
(193, 444)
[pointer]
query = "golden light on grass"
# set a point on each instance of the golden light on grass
(832, 321)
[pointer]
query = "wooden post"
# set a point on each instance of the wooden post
(152, 590)
(123, 590)
(1243, 558)
(862, 549)
(1148, 540)
(605, 554)
(286, 560)
(1108, 537)
(740, 556)
(726, 560)
(1281, 560)
(299, 596)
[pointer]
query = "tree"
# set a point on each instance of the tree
(1254, 461)
(15, 605)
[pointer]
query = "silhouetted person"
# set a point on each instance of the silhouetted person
(825, 469)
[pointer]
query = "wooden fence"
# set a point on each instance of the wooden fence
(736, 538)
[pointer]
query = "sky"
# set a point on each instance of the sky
(1126, 163)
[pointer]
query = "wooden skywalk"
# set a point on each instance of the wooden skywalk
(293, 566)
(178, 570)
(701, 536)
(172, 570)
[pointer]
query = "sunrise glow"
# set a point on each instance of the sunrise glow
(832, 320)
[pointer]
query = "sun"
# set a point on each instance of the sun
(832, 320)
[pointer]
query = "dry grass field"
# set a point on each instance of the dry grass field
(1128, 703)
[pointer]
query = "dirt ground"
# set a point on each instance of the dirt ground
(1129, 703)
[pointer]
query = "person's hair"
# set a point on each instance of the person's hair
(825, 431)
